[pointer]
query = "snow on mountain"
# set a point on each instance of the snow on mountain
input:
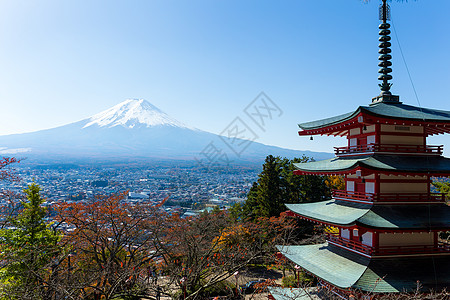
(133, 113)
(133, 130)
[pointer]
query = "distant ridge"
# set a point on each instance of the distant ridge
(132, 131)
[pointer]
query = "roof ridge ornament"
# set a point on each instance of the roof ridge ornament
(385, 57)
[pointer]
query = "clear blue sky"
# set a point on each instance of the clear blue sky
(203, 61)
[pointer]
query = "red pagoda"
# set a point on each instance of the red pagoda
(387, 220)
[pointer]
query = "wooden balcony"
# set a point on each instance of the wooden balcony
(357, 246)
(387, 250)
(389, 148)
(388, 198)
(353, 196)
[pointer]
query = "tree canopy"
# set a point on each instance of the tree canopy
(278, 185)
(29, 246)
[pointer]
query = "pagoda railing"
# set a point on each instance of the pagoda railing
(387, 197)
(387, 250)
(355, 196)
(358, 246)
(428, 149)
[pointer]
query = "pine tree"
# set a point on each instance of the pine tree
(271, 188)
(27, 247)
(443, 186)
(277, 185)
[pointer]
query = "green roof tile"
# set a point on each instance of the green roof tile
(326, 122)
(344, 213)
(345, 269)
(402, 274)
(432, 216)
(388, 110)
(338, 212)
(342, 271)
(435, 164)
(403, 111)
(294, 293)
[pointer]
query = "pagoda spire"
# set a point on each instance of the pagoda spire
(385, 56)
(385, 50)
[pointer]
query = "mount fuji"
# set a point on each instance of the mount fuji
(133, 113)
(134, 130)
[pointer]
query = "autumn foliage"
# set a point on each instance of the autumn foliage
(112, 246)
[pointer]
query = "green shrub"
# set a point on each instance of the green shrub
(289, 281)
(222, 288)
(292, 281)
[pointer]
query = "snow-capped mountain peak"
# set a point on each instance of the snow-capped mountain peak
(133, 113)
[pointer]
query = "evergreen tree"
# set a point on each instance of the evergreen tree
(236, 212)
(27, 250)
(265, 197)
(249, 207)
(443, 186)
(277, 185)
(271, 188)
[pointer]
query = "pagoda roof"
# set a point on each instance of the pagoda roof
(438, 165)
(341, 271)
(382, 110)
(389, 217)
(344, 213)
(279, 293)
(346, 269)
(328, 121)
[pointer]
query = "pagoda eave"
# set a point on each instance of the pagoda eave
(309, 293)
(357, 224)
(338, 129)
(383, 218)
(369, 171)
(338, 270)
(321, 222)
(328, 172)
(379, 163)
(348, 270)
(434, 121)
(329, 213)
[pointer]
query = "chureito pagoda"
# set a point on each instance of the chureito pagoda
(387, 220)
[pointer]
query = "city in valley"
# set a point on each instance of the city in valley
(189, 189)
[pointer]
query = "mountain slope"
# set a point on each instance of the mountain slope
(131, 130)
(133, 113)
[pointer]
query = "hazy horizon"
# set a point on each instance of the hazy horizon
(203, 62)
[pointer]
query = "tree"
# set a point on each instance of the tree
(303, 188)
(265, 197)
(28, 249)
(200, 253)
(9, 203)
(118, 249)
(277, 185)
(249, 210)
(6, 174)
(271, 188)
(443, 186)
(112, 245)
(335, 182)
